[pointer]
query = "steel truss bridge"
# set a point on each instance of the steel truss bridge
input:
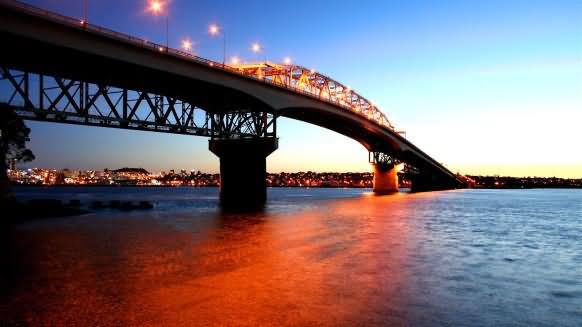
(59, 69)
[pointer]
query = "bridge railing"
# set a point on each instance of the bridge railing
(364, 107)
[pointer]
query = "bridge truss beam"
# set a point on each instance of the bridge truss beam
(243, 124)
(314, 84)
(52, 98)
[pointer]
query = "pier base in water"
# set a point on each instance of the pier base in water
(243, 170)
(385, 179)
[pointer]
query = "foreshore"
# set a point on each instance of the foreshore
(15, 211)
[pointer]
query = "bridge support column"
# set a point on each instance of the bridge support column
(243, 169)
(385, 179)
(385, 172)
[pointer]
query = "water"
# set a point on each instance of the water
(313, 257)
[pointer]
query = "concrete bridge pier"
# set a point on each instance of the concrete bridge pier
(385, 179)
(243, 170)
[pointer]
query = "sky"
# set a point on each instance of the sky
(484, 87)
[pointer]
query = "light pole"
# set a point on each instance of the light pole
(214, 30)
(287, 61)
(256, 48)
(85, 11)
(157, 8)
(84, 19)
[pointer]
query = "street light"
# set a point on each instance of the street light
(235, 60)
(187, 44)
(215, 30)
(157, 7)
(287, 61)
(256, 47)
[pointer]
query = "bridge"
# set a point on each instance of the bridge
(59, 69)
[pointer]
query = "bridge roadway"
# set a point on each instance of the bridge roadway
(47, 44)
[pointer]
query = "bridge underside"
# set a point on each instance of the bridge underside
(101, 81)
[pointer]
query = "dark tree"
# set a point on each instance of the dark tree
(13, 138)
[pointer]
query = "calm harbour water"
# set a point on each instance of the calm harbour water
(313, 257)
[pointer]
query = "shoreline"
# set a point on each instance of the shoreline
(286, 186)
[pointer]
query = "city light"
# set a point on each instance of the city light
(139, 176)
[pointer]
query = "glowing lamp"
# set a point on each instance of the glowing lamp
(256, 47)
(213, 29)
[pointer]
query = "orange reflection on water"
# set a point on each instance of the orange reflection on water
(340, 262)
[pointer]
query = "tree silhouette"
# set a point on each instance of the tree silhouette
(13, 138)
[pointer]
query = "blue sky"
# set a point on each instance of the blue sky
(486, 87)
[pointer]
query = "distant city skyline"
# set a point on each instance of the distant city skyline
(489, 88)
(140, 177)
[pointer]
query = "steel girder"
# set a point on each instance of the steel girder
(309, 82)
(243, 124)
(55, 99)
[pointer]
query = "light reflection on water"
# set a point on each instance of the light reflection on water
(313, 257)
